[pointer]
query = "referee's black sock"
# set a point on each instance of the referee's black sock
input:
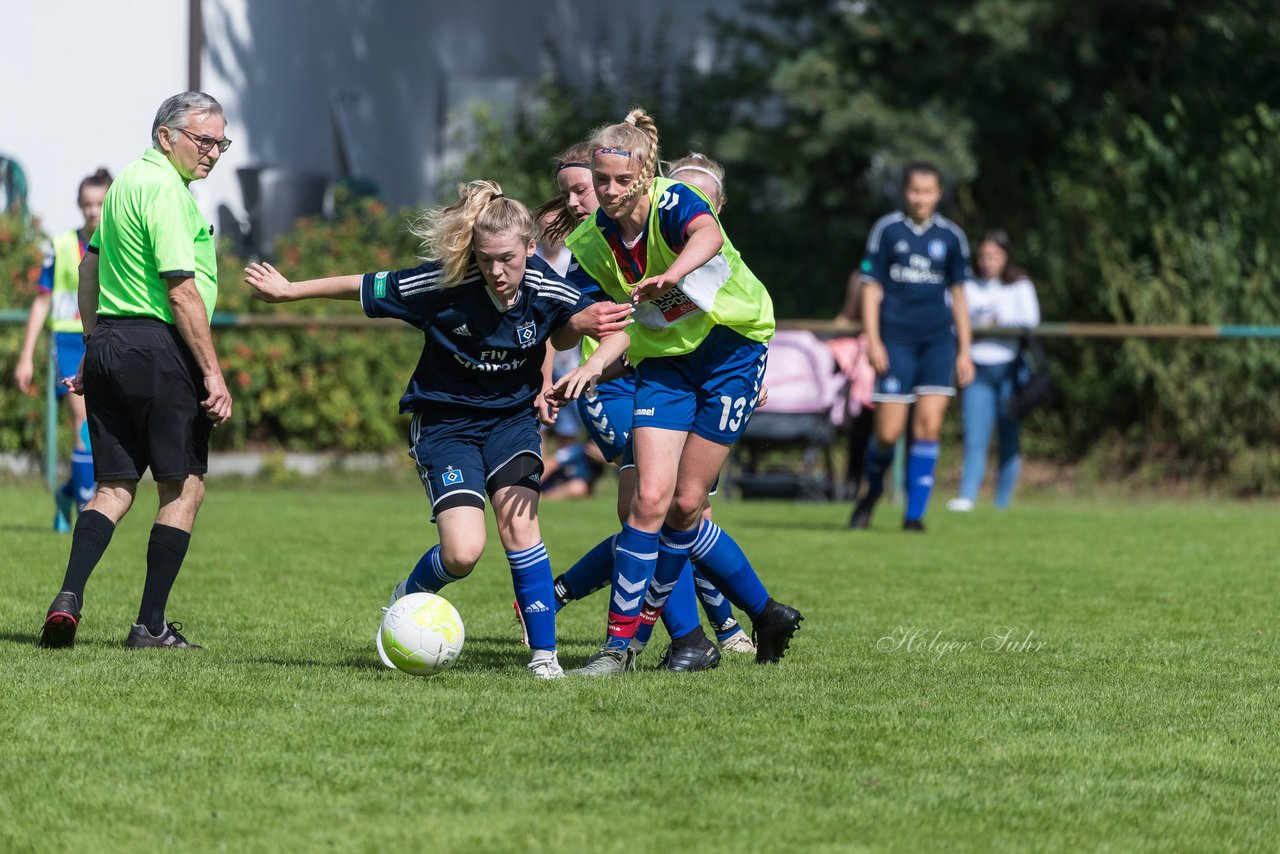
(88, 543)
(165, 553)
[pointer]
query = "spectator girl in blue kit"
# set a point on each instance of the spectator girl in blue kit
(918, 344)
(486, 308)
(607, 414)
(698, 344)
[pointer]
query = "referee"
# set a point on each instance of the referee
(150, 376)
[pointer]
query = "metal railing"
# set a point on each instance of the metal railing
(825, 328)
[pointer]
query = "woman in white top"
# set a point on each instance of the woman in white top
(1002, 296)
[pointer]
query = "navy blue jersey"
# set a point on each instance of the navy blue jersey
(475, 354)
(914, 266)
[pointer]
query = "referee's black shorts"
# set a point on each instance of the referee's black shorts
(143, 389)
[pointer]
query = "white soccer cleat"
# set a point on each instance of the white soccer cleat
(399, 591)
(738, 642)
(960, 505)
(545, 665)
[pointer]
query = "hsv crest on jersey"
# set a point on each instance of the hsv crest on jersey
(937, 249)
(526, 334)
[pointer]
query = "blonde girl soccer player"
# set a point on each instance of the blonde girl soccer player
(486, 308)
(698, 346)
(607, 414)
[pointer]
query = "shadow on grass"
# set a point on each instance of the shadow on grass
(32, 639)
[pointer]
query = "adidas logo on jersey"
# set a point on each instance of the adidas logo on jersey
(537, 608)
(462, 330)
(902, 246)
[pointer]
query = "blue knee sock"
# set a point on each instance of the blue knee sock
(717, 608)
(718, 557)
(531, 577)
(81, 477)
(592, 572)
(430, 575)
(635, 556)
(920, 464)
(878, 461)
(666, 595)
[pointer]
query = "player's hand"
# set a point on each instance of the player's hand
(23, 374)
(601, 319)
(548, 411)
(75, 384)
(653, 287)
(581, 380)
(218, 403)
(878, 356)
(964, 370)
(266, 282)
(763, 397)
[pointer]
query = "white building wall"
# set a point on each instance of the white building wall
(275, 66)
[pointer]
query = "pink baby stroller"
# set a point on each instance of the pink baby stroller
(804, 387)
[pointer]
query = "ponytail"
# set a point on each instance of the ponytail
(448, 234)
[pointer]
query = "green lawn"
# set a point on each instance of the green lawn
(1141, 713)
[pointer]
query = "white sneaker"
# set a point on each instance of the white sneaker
(738, 642)
(545, 665)
(960, 505)
(398, 591)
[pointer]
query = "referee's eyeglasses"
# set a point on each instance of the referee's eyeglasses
(204, 143)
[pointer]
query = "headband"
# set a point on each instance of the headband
(573, 164)
(714, 177)
(620, 152)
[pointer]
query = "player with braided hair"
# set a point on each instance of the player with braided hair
(607, 413)
(486, 306)
(699, 348)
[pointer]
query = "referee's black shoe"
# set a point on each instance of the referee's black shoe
(861, 518)
(60, 623)
(689, 655)
(772, 631)
(141, 638)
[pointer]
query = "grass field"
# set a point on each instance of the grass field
(1132, 705)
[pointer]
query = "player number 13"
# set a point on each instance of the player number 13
(736, 408)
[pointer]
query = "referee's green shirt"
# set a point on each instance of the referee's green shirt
(151, 230)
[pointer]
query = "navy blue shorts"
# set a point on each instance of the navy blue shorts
(711, 391)
(462, 457)
(917, 368)
(68, 348)
(607, 416)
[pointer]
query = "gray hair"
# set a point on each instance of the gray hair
(176, 112)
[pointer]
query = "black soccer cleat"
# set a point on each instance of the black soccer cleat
(61, 622)
(772, 631)
(913, 525)
(861, 518)
(698, 654)
(171, 638)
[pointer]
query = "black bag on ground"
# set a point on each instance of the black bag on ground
(1033, 386)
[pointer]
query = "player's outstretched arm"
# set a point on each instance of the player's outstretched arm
(269, 286)
(584, 377)
(703, 241)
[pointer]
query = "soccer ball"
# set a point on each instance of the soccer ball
(421, 634)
